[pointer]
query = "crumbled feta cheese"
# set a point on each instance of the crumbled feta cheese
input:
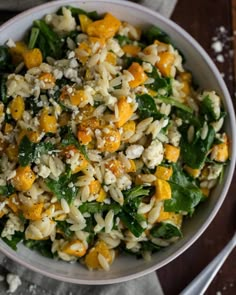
(124, 182)
(62, 23)
(44, 171)
(153, 155)
(11, 175)
(10, 43)
(71, 54)
(134, 151)
(74, 63)
(220, 58)
(13, 281)
(109, 177)
(70, 73)
(58, 74)
(217, 46)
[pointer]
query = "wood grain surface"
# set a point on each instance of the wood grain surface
(202, 19)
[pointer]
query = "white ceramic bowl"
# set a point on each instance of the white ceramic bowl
(206, 73)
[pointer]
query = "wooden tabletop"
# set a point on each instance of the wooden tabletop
(204, 20)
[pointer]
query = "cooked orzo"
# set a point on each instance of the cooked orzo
(106, 145)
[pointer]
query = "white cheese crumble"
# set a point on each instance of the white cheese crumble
(13, 281)
(217, 46)
(109, 177)
(44, 171)
(134, 151)
(153, 155)
(220, 58)
(10, 43)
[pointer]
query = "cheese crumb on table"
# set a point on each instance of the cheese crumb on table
(13, 281)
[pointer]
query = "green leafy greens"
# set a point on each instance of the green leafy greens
(165, 230)
(194, 154)
(185, 194)
(29, 151)
(147, 107)
(61, 187)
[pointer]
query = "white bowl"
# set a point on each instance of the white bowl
(126, 268)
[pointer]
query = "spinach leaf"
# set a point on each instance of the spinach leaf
(5, 59)
(175, 103)
(29, 151)
(75, 11)
(61, 187)
(129, 215)
(95, 207)
(65, 228)
(31, 104)
(183, 198)
(6, 190)
(159, 82)
(185, 194)
(131, 223)
(147, 107)
(70, 139)
(207, 109)
(165, 230)
(123, 40)
(194, 154)
(3, 89)
(155, 33)
(137, 191)
(15, 239)
(33, 37)
(149, 246)
(48, 40)
(188, 118)
(43, 247)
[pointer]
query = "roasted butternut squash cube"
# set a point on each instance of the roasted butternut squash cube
(165, 63)
(17, 107)
(24, 178)
(174, 217)
(75, 248)
(32, 212)
(138, 73)
(131, 49)
(125, 111)
(48, 123)
(163, 189)
(33, 58)
(163, 173)
(85, 21)
(171, 153)
(104, 28)
(91, 259)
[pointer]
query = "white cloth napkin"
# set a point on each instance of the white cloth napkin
(32, 282)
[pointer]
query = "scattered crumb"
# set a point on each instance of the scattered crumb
(231, 285)
(218, 293)
(2, 278)
(13, 281)
(224, 288)
(222, 75)
(220, 58)
(33, 289)
(217, 46)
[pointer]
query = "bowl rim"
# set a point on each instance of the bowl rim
(227, 98)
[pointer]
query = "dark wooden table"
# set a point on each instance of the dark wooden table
(203, 19)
